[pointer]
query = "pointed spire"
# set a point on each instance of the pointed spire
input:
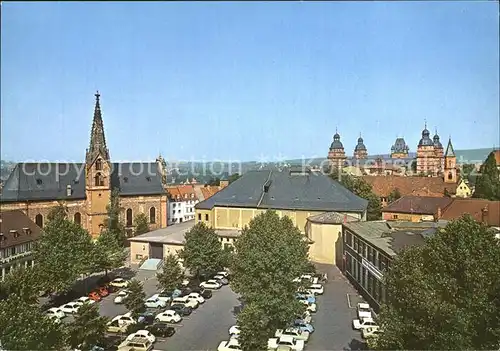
(449, 149)
(97, 138)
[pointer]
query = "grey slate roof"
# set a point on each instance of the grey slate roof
(332, 218)
(48, 181)
(286, 190)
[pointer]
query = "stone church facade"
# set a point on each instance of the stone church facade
(85, 188)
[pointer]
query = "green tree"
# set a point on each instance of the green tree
(22, 282)
(214, 181)
(488, 181)
(361, 188)
(467, 169)
(234, 177)
(413, 166)
(108, 253)
(62, 254)
(269, 254)
(141, 224)
(202, 252)
(112, 223)
(227, 256)
(24, 327)
(171, 275)
(445, 295)
(253, 323)
(88, 328)
(135, 298)
(394, 195)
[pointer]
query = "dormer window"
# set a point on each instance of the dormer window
(125, 179)
(38, 181)
(192, 196)
(27, 231)
(15, 233)
(148, 179)
(98, 165)
(185, 196)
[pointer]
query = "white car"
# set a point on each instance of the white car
(85, 299)
(54, 319)
(286, 341)
(71, 307)
(142, 334)
(197, 297)
(119, 283)
(234, 331)
(121, 296)
(363, 323)
(185, 283)
(155, 302)
(296, 333)
(56, 312)
(225, 274)
(185, 301)
(230, 345)
(316, 289)
(370, 332)
(136, 344)
(210, 284)
(125, 319)
(168, 316)
(311, 307)
(364, 310)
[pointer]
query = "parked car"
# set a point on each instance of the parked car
(136, 344)
(146, 318)
(168, 316)
(311, 307)
(119, 283)
(161, 330)
(363, 323)
(229, 345)
(165, 296)
(296, 333)
(305, 317)
(143, 333)
(54, 319)
(286, 341)
(205, 293)
(364, 310)
(221, 279)
(85, 299)
(122, 295)
(185, 301)
(225, 274)
(367, 333)
(306, 297)
(302, 325)
(114, 326)
(155, 302)
(316, 289)
(56, 312)
(71, 307)
(197, 297)
(234, 331)
(125, 319)
(181, 309)
(211, 284)
(103, 291)
(94, 296)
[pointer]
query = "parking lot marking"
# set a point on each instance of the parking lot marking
(348, 301)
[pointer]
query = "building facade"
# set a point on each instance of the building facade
(181, 202)
(400, 149)
(18, 234)
(336, 154)
(360, 151)
(85, 188)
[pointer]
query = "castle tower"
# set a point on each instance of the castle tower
(98, 169)
(360, 151)
(426, 157)
(450, 164)
(336, 155)
(439, 153)
(399, 149)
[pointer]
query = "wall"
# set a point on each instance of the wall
(200, 216)
(325, 237)
(178, 210)
(463, 190)
(138, 248)
(142, 204)
(411, 217)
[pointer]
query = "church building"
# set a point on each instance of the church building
(85, 188)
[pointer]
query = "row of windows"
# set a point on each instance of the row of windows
(130, 218)
(16, 250)
(374, 287)
(206, 217)
(77, 218)
(366, 251)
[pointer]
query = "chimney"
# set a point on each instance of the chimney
(438, 214)
(484, 215)
(68, 190)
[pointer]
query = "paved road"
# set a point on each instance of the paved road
(332, 322)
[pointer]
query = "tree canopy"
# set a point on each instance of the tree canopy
(445, 295)
(202, 252)
(171, 275)
(87, 329)
(269, 254)
(22, 282)
(24, 327)
(141, 224)
(233, 177)
(63, 253)
(488, 181)
(113, 224)
(135, 298)
(108, 253)
(394, 195)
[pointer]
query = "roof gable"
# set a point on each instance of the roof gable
(17, 228)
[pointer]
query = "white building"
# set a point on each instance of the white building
(182, 200)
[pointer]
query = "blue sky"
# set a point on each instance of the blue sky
(239, 81)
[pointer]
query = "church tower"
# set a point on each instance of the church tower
(336, 154)
(450, 164)
(360, 151)
(98, 169)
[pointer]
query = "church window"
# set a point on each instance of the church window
(98, 165)
(77, 218)
(450, 176)
(39, 220)
(129, 217)
(98, 180)
(152, 215)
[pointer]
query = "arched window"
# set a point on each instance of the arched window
(98, 180)
(450, 176)
(129, 217)
(39, 220)
(98, 164)
(152, 215)
(77, 218)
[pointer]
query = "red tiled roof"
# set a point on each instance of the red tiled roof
(419, 186)
(418, 204)
(16, 221)
(181, 192)
(474, 207)
(210, 190)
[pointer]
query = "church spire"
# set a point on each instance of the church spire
(97, 139)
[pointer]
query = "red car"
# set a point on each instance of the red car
(94, 295)
(103, 291)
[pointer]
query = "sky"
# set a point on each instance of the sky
(245, 81)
